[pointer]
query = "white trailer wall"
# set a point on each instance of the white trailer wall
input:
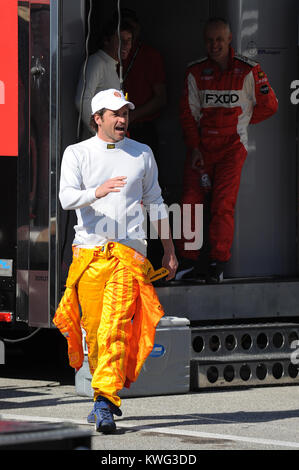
(265, 231)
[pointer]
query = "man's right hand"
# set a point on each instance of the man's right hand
(197, 159)
(112, 185)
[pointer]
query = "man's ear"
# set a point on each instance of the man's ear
(98, 119)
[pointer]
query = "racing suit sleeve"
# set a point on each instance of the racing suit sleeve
(266, 103)
(190, 110)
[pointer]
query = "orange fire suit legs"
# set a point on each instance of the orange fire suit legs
(113, 284)
(224, 169)
(107, 293)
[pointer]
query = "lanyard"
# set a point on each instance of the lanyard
(132, 61)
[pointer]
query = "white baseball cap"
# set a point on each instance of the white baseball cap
(110, 99)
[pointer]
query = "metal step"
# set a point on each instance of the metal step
(232, 301)
(245, 374)
(226, 341)
(244, 355)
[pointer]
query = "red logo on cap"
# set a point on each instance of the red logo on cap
(117, 94)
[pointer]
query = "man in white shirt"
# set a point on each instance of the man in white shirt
(108, 179)
(101, 70)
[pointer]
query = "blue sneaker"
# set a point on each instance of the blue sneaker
(90, 417)
(102, 415)
(115, 410)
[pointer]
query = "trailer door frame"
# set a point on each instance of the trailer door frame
(38, 254)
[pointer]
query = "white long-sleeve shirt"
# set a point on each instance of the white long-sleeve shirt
(101, 74)
(119, 216)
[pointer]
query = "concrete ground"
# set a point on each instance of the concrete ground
(256, 418)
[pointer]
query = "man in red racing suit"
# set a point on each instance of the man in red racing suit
(223, 94)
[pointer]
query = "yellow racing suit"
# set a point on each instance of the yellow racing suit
(120, 312)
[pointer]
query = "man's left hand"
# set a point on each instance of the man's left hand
(170, 262)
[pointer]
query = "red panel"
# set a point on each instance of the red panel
(9, 78)
(6, 317)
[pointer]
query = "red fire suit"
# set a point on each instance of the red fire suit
(215, 110)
